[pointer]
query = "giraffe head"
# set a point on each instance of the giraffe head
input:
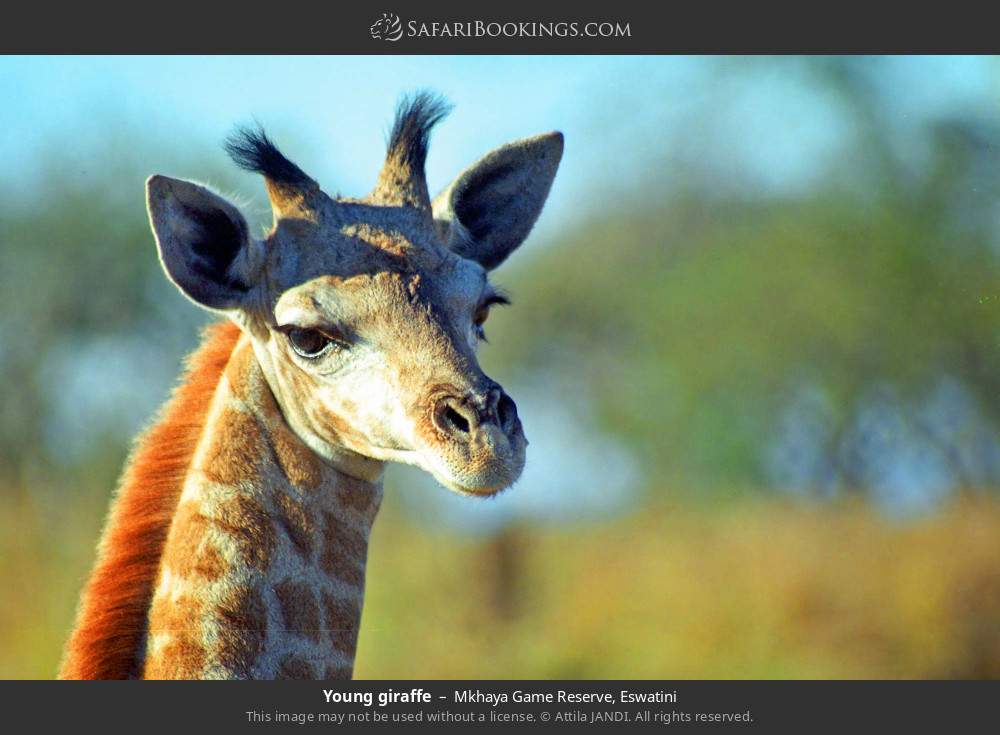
(366, 314)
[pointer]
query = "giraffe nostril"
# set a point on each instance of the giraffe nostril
(506, 413)
(457, 420)
(453, 417)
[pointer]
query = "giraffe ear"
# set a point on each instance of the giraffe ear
(490, 208)
(203, 242)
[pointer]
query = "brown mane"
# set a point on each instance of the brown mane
(111, 620)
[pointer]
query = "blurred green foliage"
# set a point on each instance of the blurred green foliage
(691, 329)
(695, 320)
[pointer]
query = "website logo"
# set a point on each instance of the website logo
(387, 28)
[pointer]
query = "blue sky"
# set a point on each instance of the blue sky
(330, 114)
(771, 127)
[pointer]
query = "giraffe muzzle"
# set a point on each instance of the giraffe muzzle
(479, 444)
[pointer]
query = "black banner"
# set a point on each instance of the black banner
(449, 27)
(690, 706)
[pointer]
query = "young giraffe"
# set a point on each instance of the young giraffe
(236, 546)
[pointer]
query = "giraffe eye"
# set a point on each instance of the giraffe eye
(482, 314)
(310, 343)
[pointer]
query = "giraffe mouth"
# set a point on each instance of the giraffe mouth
(479, 468)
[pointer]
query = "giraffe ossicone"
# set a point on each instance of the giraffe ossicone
(237, 542)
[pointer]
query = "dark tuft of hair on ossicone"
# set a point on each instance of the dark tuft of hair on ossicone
(416, 116)
(252, 150)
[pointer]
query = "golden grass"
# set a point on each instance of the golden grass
(755, 590)
(751, 590)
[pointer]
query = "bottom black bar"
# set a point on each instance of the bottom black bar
(702, 706)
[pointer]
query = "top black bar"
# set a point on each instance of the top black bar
(465, 28)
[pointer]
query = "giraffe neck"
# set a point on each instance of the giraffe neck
(262, 574)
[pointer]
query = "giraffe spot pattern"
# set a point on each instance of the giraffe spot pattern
(293, 518)
(338, 672)
(182, 656)
(357, 496)
(300, 464)
(193, 554)
(342, 617)
(244, 382)
(293, 667)
(242, 629)
(344, 551)
(235, 451)
(247, 523)
(299, 609)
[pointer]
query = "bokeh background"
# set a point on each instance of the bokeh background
(755, 342)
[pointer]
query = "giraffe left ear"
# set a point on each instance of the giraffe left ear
(203, 242)
(490, 208)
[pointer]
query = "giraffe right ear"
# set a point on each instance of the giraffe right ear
(488, 211)
(203, 242)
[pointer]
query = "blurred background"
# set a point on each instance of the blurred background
(755, 342)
